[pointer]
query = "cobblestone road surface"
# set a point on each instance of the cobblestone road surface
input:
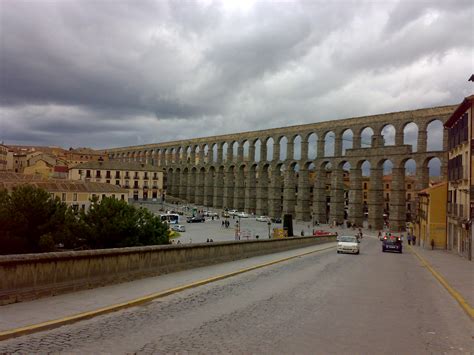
(371, 303)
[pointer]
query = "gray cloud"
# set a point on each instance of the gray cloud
(104, 73)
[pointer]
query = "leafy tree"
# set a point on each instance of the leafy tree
(113, 223)
(27, 214)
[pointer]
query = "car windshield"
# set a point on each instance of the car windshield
(348, 239)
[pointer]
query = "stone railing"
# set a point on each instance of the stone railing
(31, 276)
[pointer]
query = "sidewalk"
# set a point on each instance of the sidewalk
(46, 309)
(457, 271)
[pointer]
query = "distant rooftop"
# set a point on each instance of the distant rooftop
(117, 165)
(9, 181)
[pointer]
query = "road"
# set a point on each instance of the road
(321, 303)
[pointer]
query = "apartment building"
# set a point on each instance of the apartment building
(430, 227)
(77, 194)
(143, 181)
(460, 179)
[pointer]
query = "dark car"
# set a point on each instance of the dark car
(392, 243)
(276, 219)
(195, 219)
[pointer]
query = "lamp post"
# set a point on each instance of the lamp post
(269, 225)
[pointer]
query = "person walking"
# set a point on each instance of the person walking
(409, 239)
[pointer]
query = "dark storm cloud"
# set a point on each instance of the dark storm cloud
(112, 73)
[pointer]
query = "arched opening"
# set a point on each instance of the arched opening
(312, 145)
(197, 150)
(434, 142)
(214, 153)
(297, 148)
(347, 140)
(246, 150)
(388, 133)
(258, 150)
(188, 154)
(434, 168)
(283, 146)
(235, 150)
(366, 137)
(410, 135)
(270, 143)
(225, 148)
(207, 158)
(329, 139)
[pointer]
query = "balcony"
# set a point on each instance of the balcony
(145, 177)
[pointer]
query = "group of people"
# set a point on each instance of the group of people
(225, 224)
(411, 239)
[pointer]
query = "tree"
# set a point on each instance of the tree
(112, 223)
(27, 214)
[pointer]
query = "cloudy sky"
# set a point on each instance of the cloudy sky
(109, 73)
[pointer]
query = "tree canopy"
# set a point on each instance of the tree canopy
(32, 221)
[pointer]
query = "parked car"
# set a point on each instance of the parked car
(321, 233)
(348, 244)
(233, 212)
(263, 219)
(392, 243)
(242, 215)
(196, 219)
(210, 214)
(178, 228)
(276, 219)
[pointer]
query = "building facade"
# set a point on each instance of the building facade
(143, 181)
(3, 157)
(430, 227)
(77, 194)
(460, 179)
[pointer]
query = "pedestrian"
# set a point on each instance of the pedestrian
(302, 233)
(207, 240)
(432, 244)
(380, 235)
(409, 239)
(413, 240)
(256, 237)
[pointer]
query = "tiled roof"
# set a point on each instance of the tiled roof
(117, 165)
(10, 180)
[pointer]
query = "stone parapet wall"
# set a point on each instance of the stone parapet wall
(31, 276)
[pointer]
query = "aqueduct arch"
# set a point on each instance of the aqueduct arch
(224, 171)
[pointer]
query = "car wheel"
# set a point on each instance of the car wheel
(383, 250)
(358, 252)
(338, 252)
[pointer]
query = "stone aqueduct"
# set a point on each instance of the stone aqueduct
(204, 172)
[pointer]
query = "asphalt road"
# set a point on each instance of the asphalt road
(322, 303)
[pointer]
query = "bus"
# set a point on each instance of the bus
(170, 218)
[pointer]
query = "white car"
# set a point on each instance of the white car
(178, 228)
(242, 215)
(263, 219)
(348, 244)
(233, 212)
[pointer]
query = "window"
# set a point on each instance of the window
(387, 186)
(127, 175)
(365, 186)
(117, 182)
(122, 197)
(88, 173)
(127, 184)
(117, 174)
(409, 186)
(107, 175)
(146, 176)
(136, 175)
(365, 194)
(409, 197)
(74, 197)
(97, 174)
(80, 172)
(155, 176)
(63, 197)
(135, 185)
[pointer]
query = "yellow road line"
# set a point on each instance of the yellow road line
(456, 295)
(137, 301)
